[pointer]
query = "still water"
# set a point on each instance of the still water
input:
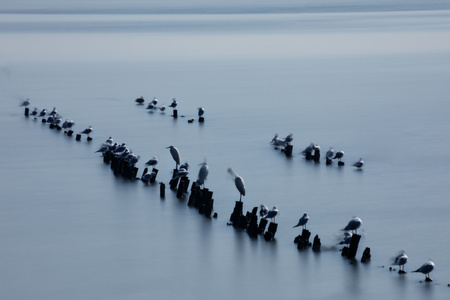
(372, 82)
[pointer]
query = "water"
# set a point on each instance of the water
(369, 79)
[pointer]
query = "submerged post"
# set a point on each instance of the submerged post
(353, 248)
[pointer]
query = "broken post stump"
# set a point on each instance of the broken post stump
(288, 150)
(237, 213)
(162, 190)
(270, 233)
(316, 244)
(303, 239)
(262, 225)
(366, 255)
(353, 248)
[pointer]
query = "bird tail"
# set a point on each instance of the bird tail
(295, 226)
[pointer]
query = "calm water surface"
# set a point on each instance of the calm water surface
(372, 82)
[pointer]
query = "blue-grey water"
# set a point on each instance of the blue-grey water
(368, 78)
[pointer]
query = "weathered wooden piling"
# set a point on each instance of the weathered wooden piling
(341, 163)
(316, 156)
(182, 186)
(270, 233)
(143, 173)
(44, 120)
(366, 255)
(201, 119)
(175, 113)
(27, 111)
(89, 139)
(78, 137)
(162, 190)
(252, 229)
(288, 150)
(308, 156)
(69, 133)
(329, 161)
(194, 196)
(316, 244)
(51, 126)
(262, 225)
(237, 213)
(207, 202)
(156, 174)
(353, 248)
(303, 240)
(107, 157)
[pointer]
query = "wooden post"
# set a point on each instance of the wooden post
(201, 119)
(69, 133)
(195, 191)
(329, 161)
(175, 113)
(308, 156)
(253, 224)
(27, 111)
(237, 213)
(270, 233)
(156, 174)
(316, 244)
(78, 137)
(366, 255)
(353, 246)
(288, 150)
(262, 226)
(316, 155)
(162, 190)
(303, 240)
(107, 156)
(341, 163)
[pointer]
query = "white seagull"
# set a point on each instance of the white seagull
(202, 174)
(400, 261)
(353, 225)
(308, 149)
(339, 155)
(26, 102)
(153, 161)
(239, 182)
(302, 221)
(201, 111)
(263, 210)
(276, 141)
(347, 238)
(271, 214)
(87, 130)
(359, 163)
(174, 103)
(426, 268)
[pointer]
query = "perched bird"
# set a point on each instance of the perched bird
(133, 160)
(153, 161)
(25, 102)
(180, 173)
(271, 214)
(330, 153)
(149, 176)
(162, 108)
(121, 148)
(175, 155)
(110, 141)
(103, 148)
(202, 174)
(43, 113)
(201, 111)
(426, 268)
(400, 261)
(68, 124)
(308, 149)
(339, 155)
(150, 106)
(288, 139)
(353, 225)
(276, 141)
(87, 130)
(154, 101)
(140, 100)
(54, 112)
(302, 221)
(263, 210)
(184, 166)
(174, 103)
(34, 112)
(239, 182)
(347, 238)
(359, 163)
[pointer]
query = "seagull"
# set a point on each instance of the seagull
(308, 149)
(302, 221)
(54, 112)
(87, 130)
(43, 113)
(184, 166)
(339, 155)
(149, 176)
(68, 124)
(26, 102)
(239, 182)
(35, 111)
(353, 225)
(330, 153)
(153, 161)
(272, 213)
(174, 103)
(347, 238)
(201, 111)
(202, 174)
(121, 148)
(110, 141)
(180, 173)
(359, 163)
(140, 100)
(154, 101)
(103, 148)
(400, 261)
(263, 210)
(276, 141)
(133, 160)
(288, 139)
(175, 155)
(426, 268)
(162, 108)
(150, 106)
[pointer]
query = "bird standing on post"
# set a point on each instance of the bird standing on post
(303, 220)
(174, 103)
(175, 155)
(202, 174)
(201, 111)
(426, 268)
(400, 261)
(239, 182)
(339, 155)
(263, 210)
(359, 163)
(353, 225)
(87, 130)
(153, 161)
(271, 214)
